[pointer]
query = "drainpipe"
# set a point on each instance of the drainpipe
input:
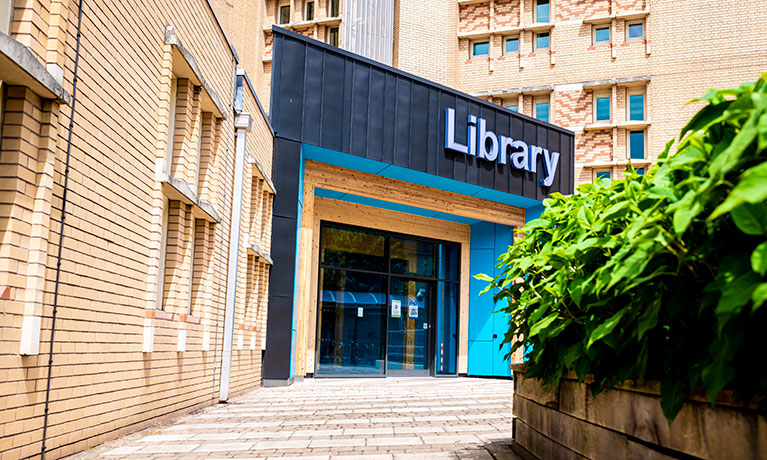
(61, 234)
(242, 128)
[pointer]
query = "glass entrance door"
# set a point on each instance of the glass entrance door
(409, 341)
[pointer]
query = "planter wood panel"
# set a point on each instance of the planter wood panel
(627, 423)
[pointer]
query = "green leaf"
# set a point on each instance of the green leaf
(716, 376)
(752, 188)
(759, 259)
(759, 296)
(728, 159)
(686, 210)
(633, 265)
(707, 115)
(672, 397)
(483, 277)
(737, 293)
(649, 319)
(751, 219)
(605, 328)
(542, 324)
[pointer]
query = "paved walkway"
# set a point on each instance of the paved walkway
(339, 419)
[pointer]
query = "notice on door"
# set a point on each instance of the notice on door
(412, 310)
(360, 312)
(396, 309)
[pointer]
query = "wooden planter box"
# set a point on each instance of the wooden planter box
(627, 423)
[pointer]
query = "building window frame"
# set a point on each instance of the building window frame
(595, 35)
(333, 36)
(514, 107)
(602, 174)
(602, 96)
(631, 137)
(309, 12)
(540, 7)
(506, 42)
(283, 14)
(160, 300)
(632, 93)
(538, 105)
(168, 166)
(629, 38)
(473, 49)
(540, 44)
(334, 8)
(6, 16)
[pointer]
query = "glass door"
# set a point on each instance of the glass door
(409, 344)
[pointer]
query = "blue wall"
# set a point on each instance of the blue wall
(487, 329)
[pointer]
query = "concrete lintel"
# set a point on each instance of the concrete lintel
(180, 190)
(252, 160)
(189, 66)
(18, 66)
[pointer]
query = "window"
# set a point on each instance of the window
(160, 301)
(285, 14)
(333, 36)
(334, 10)
(512, 46)
(640, 171)
(603, 175)
(514, 107)
(636, 145)
(309, 11)
(542, 111)
(602, 111)
(601, 35)
(6, 15)
(542, 11)
(171, 125)
(634, 31)
(636, 107)
(542, 40)
(480, 49)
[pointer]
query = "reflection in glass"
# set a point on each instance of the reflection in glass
(411, 257)
(447, 328)
(353, 249)
(352, 327)
(409, 327)
(449, 266)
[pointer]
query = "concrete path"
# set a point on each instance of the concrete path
(339, 419)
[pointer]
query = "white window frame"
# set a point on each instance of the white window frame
(279, 13)
(599, 95)
(600, 170)
(628, 144)
(510, 53)
(6, 16)
(540, 100)
(535, 40)
(481, 56)
(633, 91)
(594, 34)
(314, 11)
(644, 30)
(535, 12)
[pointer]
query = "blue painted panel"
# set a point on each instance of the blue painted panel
(480, 360)
(534, 212)
(480, 307)
(482, 237)
(500, 364)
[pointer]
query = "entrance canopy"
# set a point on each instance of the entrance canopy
(335, 108)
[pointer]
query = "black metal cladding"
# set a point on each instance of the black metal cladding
(324, 96)
(327, 97)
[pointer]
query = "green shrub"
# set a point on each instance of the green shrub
(659, 276)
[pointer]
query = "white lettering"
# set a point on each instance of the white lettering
(450, 142)
(484, 136)
(551, 162)
(519, 158)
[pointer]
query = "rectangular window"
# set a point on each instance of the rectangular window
(309, 11)
(285, 14)
(542, 11)
(542, 111)
(512, 46)
(334, 8)
(6, 15)
(636, 145)
(601, 35)
(603, 174)
(635, 31)
(514, 107)
(640, 171)
(480, 49)
(542, 41)
(603, 109)
(636, 107)
(333, 36)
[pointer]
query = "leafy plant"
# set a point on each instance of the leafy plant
(660, 276)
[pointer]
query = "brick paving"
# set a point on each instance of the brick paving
(339, 419)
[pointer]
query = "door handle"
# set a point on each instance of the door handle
(495, 336)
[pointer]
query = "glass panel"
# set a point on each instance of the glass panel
(334, 8)
(636, 141)
(636, 30)
(409, 326)
(512, 45)
(602, 35)
(513, 107)
(603, 175)
(284, 14)
(355, 249)
(411, 257)
(636, 107)
(542, 11)
(542, 41)
(542, 111)
(333, 37)
(603, 108)
(640, 171)
(449, 266)
(481, 49)
(309, 11)
(446, 328)
(352, 323)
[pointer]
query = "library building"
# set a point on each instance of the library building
(393, 191)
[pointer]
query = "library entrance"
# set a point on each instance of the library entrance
(388, 304)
